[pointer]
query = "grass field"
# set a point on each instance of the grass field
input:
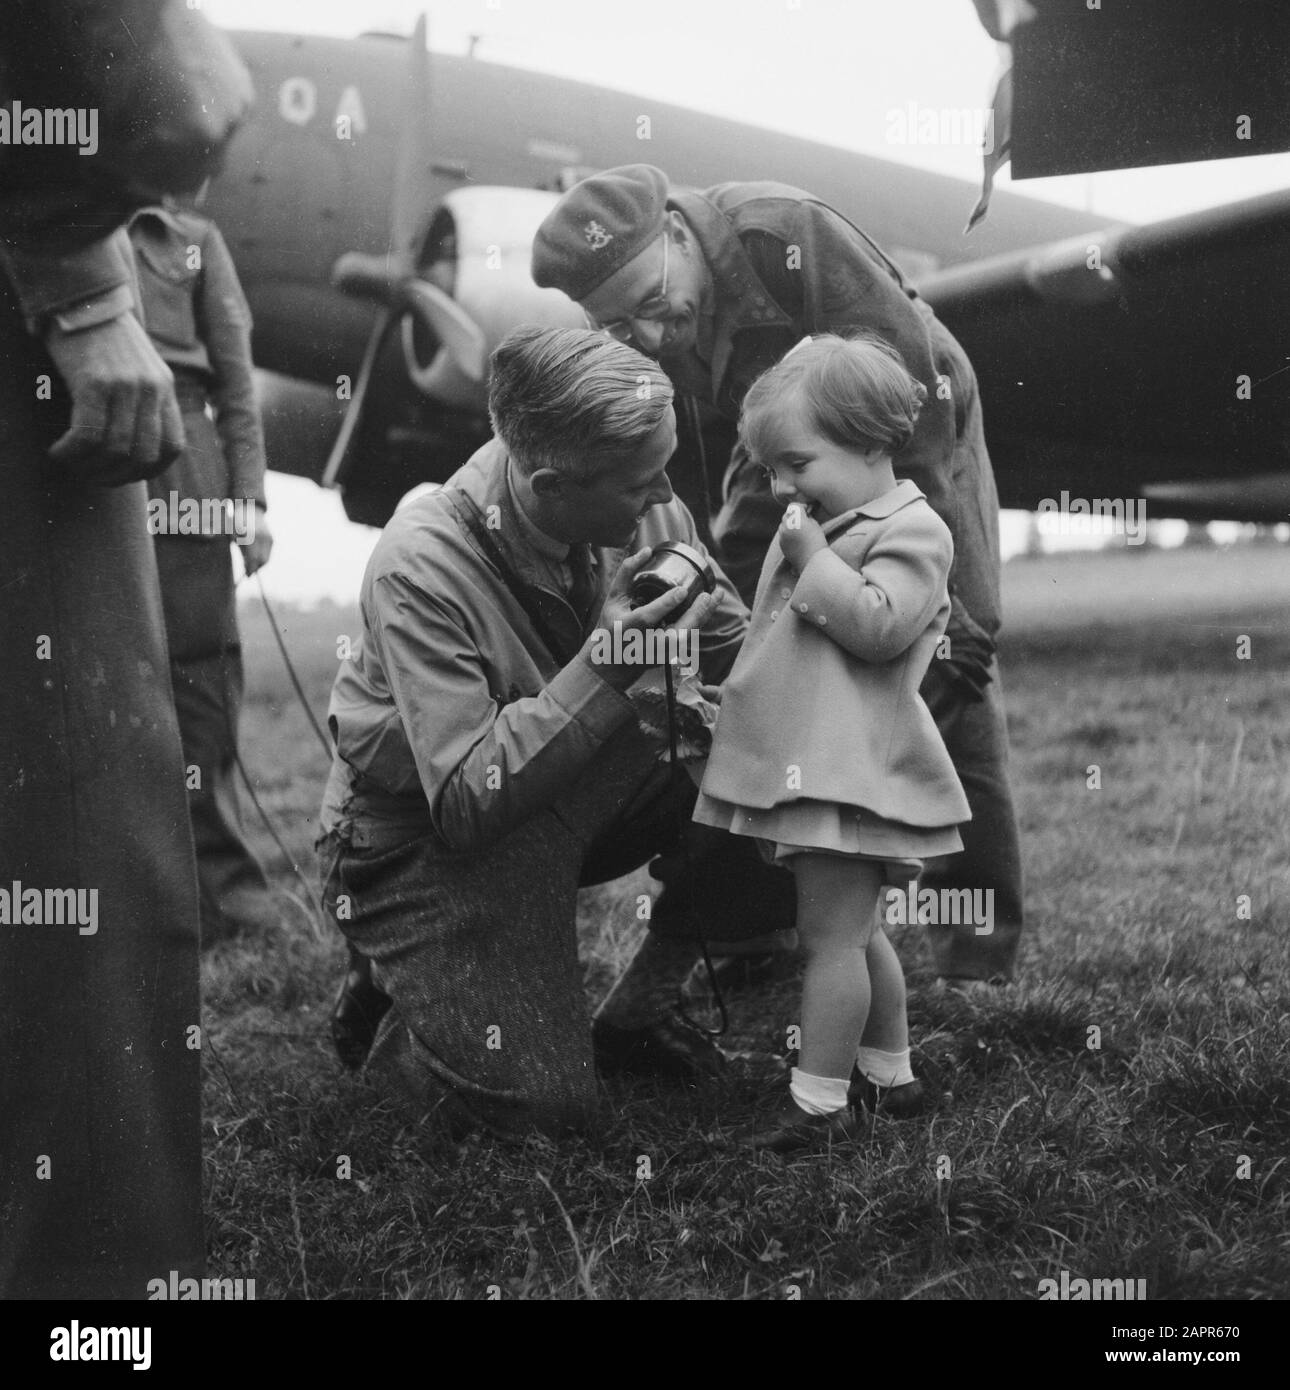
(1160, 1155)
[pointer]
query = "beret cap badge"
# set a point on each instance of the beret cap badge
(597, 227)
(597, 237)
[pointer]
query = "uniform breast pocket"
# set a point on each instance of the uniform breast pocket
(168, 288)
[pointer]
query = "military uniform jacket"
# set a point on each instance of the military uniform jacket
(823, 701)
(453, 698)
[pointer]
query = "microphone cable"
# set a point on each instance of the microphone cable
(687, 865)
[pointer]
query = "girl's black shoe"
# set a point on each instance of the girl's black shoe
(896, 1102)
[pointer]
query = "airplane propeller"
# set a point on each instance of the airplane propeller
(393, 279)
(371, 277)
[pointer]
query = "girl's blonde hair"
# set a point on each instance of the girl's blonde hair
(857, 393)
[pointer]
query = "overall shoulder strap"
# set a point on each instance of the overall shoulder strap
(472, 522)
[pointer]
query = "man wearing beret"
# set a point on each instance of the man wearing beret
(719, 285)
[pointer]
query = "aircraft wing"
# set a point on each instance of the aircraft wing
(1138, 356)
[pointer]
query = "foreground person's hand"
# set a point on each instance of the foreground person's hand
(125, 421)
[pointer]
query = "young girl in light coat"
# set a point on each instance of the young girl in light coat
(824, 749)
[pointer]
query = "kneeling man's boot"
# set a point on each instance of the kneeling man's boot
(672, 1046)
(358, 1011)
(794, 1130)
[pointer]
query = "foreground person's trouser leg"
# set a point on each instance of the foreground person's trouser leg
(100, 1138)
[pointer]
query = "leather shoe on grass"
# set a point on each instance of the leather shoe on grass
(793, 1130)
(360, 1006)
(895, 1102)
(670, 1047)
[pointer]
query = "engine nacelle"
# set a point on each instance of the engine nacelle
(478, 249)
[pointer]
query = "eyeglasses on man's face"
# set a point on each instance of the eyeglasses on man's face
(655, 307)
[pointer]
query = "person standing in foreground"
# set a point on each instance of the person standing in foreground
(100, 1137)
(493, 753)
(719, 285)
(198, 320)
(824, 749)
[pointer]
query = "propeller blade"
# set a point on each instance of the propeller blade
(372, 277)
(334, 470)
(366, 277)
(460, 335)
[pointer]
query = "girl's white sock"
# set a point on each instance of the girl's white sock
(818, 1095)
(884, 1068)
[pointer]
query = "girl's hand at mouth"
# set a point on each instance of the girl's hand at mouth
(800, 536)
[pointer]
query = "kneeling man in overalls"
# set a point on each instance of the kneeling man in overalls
(495, 752)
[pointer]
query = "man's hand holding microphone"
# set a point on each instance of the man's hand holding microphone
(641, 597)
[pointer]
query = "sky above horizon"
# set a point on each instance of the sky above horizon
(827, 70)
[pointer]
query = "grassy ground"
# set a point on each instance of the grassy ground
(1159, 1155)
